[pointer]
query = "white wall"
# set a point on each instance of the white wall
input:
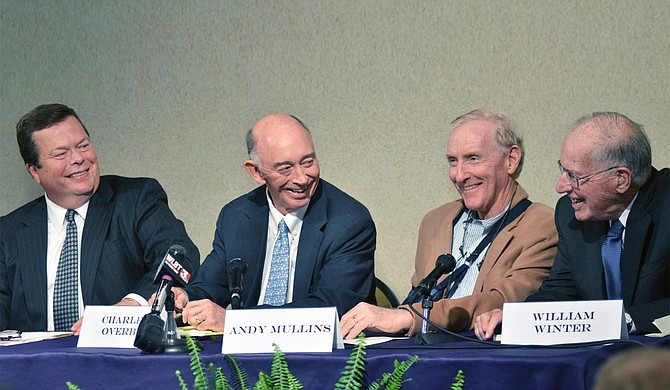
(168, 89)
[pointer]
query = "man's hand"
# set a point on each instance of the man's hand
(365, 316)
(180, 298)
(127, 302)
(485, 324)
(76, 328)
(204, 315)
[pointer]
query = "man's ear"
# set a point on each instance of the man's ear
(624, 179)
(513, 160)
(33, 172)
(254, 172)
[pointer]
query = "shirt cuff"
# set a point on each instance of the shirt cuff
(137, 298)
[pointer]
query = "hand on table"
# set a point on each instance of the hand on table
(365, 316)
(485, 324)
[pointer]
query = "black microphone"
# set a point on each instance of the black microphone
(445, 263)
(176, 265)
(236, 268)
(172, 272)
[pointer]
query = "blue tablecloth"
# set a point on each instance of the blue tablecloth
(49, 364)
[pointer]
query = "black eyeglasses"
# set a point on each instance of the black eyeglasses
(574, 179)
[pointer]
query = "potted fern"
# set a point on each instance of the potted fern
(281, 378)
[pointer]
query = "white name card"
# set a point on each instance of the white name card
(110, 326)
(547, 323)
(293, 330)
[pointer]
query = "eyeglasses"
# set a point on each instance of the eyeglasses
(574, 179)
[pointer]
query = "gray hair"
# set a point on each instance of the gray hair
(619, 141)
(507, 135)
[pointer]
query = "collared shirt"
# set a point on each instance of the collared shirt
(294, 224)
(623, 218)
(57, 230)
(468, 233)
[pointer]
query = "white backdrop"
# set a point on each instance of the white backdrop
(168, 89)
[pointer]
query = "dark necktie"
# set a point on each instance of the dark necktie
(611, 253)
(66, 303)
(275, 293)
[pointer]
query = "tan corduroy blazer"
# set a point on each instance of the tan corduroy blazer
(515, 265)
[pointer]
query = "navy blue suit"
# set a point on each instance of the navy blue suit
(129, 228)
(335, 260)
(578, 272)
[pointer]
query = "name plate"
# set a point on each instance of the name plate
(110, 326)
(293, 330)
(547, 323)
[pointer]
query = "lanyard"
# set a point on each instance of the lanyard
(454, 279)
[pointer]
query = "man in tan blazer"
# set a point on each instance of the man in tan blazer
(503, 244)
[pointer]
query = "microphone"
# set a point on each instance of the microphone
(236, 268)
(176, 265)
(445, 263)
(172, 272)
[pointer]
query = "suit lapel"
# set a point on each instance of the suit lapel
(98, 218)
(32, 247)
(253, 235)
(311, 236)
(637, 228)
(499, 243)
(590, 263)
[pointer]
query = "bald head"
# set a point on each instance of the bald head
(282, 157)
(273, 126)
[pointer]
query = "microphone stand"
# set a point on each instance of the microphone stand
(426, 337)
(172, 341)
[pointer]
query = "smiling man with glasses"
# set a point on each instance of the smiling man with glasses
(613, 224)
(574, 179)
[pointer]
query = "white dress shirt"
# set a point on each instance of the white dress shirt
(293, 222)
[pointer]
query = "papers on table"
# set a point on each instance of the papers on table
(30, 337)
(663, 324)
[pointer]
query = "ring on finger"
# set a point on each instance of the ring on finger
(197, 319)
(355, 320)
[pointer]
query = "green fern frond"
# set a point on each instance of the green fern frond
(72, 386)
(352, 376)
(201, 382)
(182, 384)
(264, 382)
(459, 381)
(220, 380)
(375, 385)
(240, 379)
(394, 380)
(282, 378)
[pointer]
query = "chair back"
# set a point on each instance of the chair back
(385, 296)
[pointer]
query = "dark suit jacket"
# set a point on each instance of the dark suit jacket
(578, 272)
(129, 228)
(335, 261)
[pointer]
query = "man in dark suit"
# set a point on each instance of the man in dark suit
(331, 236)
(123, 229)
(608, 180)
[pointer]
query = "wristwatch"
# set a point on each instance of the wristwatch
(629, 321)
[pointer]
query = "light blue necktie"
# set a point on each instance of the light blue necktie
(611, 253)
(275, 293)
(66, 299)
